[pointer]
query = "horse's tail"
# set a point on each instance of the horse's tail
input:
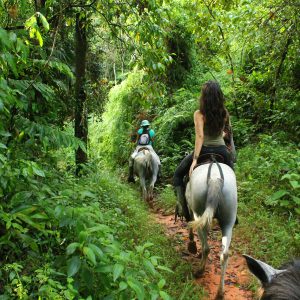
(214, 196)
(148, 161)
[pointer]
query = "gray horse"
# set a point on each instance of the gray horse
(212, 193)
(146, 166)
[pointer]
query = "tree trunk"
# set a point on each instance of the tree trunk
(278, 72)
(81, 126)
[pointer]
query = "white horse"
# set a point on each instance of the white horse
(146, 167)
(212, 193)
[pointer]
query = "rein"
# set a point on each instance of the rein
(220, 170)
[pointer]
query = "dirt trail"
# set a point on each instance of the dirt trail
(237, 274)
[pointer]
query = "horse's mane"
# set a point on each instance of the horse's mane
(285, 285)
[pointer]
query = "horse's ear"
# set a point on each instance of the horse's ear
(261, 270)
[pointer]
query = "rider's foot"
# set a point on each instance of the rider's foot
(131, 179)
(236, 221)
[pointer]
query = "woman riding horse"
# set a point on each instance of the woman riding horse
(211, 191)
(212, 127)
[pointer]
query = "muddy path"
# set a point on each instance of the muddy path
(237, 275)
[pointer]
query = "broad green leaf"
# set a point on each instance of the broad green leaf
(11, 60)
(88, 194)
(82, 236)
(137, 287)
(89, 253)
(40, 216)
(39, 38)
(118, 270)
(148, 244)
(27, 219)
(285, 203)
(165, 269)
(296, 200)
(123, 286)
(295, 184)
(73, 265)
(105, 269)
(32, 32)
(4, 38)
(30, 22)
(149, 267)
(38, 172)
(96, 250)
(164, 295)
(279, 194)
(44, 22)
(72, 247)
(30, 242)
(161, 283)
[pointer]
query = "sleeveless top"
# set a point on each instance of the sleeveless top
(213, 141)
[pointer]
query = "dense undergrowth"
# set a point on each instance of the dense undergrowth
(87, 238)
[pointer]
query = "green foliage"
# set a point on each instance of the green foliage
(289, 196)
(167, 199)
(32, 26)
(263, 169)
(119, 122)
(67, 224)
(243, 131)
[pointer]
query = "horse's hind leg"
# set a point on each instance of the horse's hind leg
(226, 239)
(151, 188)
(151, 185)
(143, 187)
(205, 250)
(192, 247)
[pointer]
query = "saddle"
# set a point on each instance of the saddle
(143, 148)
(208, 158)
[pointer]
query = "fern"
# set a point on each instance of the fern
(50, 136)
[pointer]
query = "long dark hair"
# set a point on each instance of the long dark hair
(212, 107)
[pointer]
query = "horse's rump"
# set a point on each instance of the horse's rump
(143, 162)
(146, 168)
(222, 191)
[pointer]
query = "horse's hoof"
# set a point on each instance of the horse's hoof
(198, 273)
(219, 296)
(192, 248)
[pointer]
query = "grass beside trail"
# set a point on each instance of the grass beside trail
(269, 227)
(138, 226)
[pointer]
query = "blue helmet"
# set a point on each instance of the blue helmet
(145, 123)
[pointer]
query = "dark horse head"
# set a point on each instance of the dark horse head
(278, 284)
